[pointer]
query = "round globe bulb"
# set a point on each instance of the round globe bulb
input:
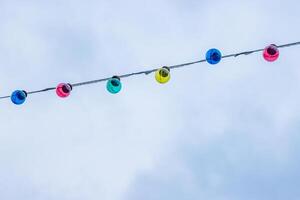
(63, 90)
(271, 53)
(18, 97)
(114, 85)
(213, 56)
(162, 75)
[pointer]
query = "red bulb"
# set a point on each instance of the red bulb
(63, 90)
(271, 53)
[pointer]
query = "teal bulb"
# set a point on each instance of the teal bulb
(114, 85)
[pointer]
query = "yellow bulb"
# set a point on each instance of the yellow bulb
(162, 75)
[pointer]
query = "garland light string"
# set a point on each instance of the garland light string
(162, 75)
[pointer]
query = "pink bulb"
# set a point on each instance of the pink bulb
(63, 90)
(271, 53)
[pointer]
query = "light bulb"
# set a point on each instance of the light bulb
(271, 53)
(114, 85)
(163, 75)
(63, 90)
(213, 56)
(18, 97)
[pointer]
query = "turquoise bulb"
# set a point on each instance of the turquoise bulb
(114, 85)
(162, 75)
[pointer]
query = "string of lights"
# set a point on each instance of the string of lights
(162, 75)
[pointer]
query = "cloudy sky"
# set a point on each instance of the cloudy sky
(224, 132)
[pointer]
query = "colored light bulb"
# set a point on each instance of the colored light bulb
(63, 90)
(18, 97)
(213, 56)
(114, 85)
(163, 75)
(271, 53)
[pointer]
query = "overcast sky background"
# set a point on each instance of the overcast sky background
(229, 131)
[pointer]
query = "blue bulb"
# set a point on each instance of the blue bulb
(114, 85)
(213, 56)
(18, 97)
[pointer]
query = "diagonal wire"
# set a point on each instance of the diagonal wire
(147, 72)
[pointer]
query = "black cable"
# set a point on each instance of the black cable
(146, 72)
